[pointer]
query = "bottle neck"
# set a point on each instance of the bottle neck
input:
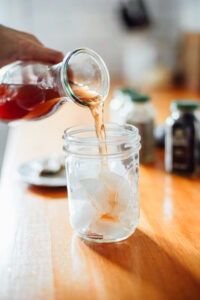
(80, 77)
(62, 81)
(56, 72)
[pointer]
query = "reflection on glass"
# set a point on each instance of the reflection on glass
(168, 203)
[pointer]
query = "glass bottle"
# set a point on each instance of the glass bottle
(103, 197)
(31, 90)
(128, 106)
(181, 138)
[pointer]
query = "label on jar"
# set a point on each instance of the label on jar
(147, 140)
(183, 149)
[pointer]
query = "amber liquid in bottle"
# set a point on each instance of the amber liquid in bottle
(26, 101)
(29, 102)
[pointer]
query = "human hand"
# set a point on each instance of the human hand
(18, 45)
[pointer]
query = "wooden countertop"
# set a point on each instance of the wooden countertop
(41, 257)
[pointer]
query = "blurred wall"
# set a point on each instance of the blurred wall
(68, 24)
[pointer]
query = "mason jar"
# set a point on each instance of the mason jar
(103, 188)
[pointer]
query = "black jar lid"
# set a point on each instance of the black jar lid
(184, 105)
(134, 95)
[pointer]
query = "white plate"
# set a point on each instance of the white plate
(29, 175)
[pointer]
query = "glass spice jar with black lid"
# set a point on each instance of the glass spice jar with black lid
(182, 137)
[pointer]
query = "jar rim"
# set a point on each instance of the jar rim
(122, 134)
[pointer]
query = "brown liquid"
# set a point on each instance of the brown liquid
(29, 102)
(26, 101)
(96, 107)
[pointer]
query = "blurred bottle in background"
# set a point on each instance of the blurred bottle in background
(141, 65)
(182, 138)
(190, 59)
(128, 106)
(189, 44)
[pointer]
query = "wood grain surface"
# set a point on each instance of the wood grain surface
(41, 257)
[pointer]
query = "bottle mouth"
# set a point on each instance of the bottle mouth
(85, 73)
(120, 140)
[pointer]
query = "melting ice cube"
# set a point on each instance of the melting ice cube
(103, 205)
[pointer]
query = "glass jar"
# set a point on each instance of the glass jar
(103, 188)
(31, 90)
(128, 106)
(181, 138)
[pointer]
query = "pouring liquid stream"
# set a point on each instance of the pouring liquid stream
(96, 107)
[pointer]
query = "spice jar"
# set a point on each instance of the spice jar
(181, 138)
(128, 106)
